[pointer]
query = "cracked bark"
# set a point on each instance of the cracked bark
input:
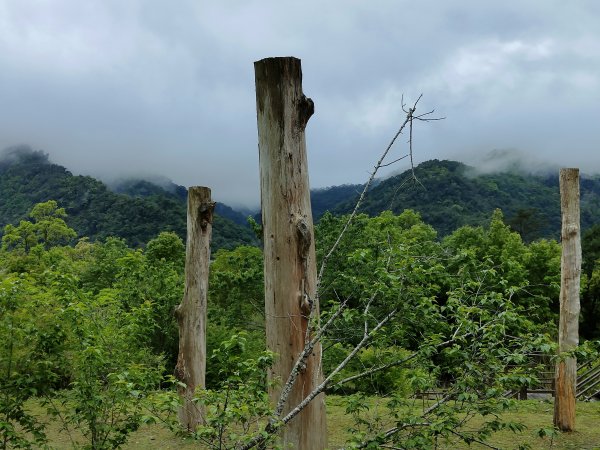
(191, 313)
(568, 333)
(289, 252)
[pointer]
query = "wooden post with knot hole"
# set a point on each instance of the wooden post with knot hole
(191, 313)
(289, 249)
(568, 332)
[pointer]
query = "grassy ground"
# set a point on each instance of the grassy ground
(534, 414)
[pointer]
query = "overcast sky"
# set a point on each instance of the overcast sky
(114, 87)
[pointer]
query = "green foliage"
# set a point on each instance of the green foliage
(153, 277)
(111, 372)
(531, 273)
(590, 295)
(467, 315)
(167, 247)
(590, 247)
(235, 411)
(396, 379)
(248, 345)
(326, 199)
(90, 328)
(457, 195)
(236, 296)
(23, 368)
(84, 328)
(48, 229)
(476, 360)
(105, 268)
(160, 286)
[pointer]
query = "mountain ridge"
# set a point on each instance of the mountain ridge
(447, 194)
(28, 177)
(450, 194)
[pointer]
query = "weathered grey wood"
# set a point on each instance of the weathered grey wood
(191, 313)
(568, 333)
(289, 251)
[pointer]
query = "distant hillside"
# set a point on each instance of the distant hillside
(327, 199)
(450, 194)
(28, 177)
(135, 187)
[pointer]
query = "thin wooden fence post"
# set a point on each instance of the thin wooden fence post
(289, 250)
(191, 313)
(568, 333)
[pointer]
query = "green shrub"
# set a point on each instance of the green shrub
(395, 379)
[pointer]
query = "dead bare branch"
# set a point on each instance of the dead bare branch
(378, 166)
(301, 360)
(276, 423)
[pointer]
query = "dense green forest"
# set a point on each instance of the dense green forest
(89, 279)
(87, 328)
(449, 194)
(143, 209)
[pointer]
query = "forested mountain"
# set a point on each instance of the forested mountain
(449, 194)
(28, 177)
(327, 199)
(136, 187)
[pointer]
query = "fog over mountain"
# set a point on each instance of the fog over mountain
(112, 89)
(510, 160)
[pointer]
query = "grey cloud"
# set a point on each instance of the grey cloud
(110, 87)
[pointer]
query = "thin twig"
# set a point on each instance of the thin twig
(364, 193)
(376, 369)
(301, 360)
(392, 431)
(474, 440)
(408, 120)
(394, 161)
(275, 424)
(399, 362)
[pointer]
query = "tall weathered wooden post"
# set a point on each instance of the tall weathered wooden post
(289, 251)
(191, 313)
(568, 333)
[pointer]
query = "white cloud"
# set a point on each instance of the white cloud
(490, 64)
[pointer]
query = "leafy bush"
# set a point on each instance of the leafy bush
(24, 371)
(240, 405)
(111, 372)
(228, 348)
(396, 379)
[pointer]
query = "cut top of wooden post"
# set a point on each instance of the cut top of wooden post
(289, 252)
(278, 81)
(569, 200)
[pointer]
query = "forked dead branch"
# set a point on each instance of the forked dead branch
(408, 120)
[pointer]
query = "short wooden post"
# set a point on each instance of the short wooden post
(523, 393)
(568, 333)
(289, 251)
(191, 313)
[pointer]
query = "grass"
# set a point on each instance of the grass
(534, 414)
(537, 415)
